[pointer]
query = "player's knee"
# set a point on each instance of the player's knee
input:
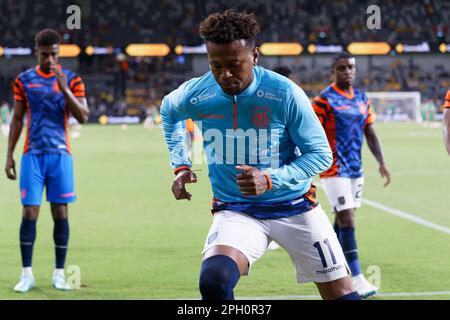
(59, 211)
(30, 212)
(218, 277)
(346, 218)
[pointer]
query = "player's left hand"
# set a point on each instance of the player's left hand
(251, 182)
(61, 78)
(385, 174)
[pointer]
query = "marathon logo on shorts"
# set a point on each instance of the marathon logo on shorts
(23, 193)
(329, 270)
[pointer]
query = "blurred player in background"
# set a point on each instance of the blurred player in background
(447, 122)
(47, 94)
(283, 70)
(254, 201)
(347, 117)
(428, 113)
(5, 118)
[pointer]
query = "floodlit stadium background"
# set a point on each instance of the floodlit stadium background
(130, 239)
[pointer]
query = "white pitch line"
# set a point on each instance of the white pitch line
(407, 216)
(404, 215)
(381, 294)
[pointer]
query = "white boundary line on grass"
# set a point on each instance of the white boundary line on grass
(381, 294)
(407, 216)
(404, 215)
(386, 294)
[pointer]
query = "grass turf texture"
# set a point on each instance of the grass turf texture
(132, 240)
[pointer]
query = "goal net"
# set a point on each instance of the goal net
(396, 106)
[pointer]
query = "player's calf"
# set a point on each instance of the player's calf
(339, 289)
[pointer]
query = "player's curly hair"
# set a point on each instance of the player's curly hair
(47, 37)
(231, 25)
(340, 55)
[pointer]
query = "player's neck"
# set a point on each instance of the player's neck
(343, 87)
(346, 91)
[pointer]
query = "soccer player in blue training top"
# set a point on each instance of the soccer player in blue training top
(346, 116)
(47, 94)
(253, 122)
(447, 122)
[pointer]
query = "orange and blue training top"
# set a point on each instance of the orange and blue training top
(344, 117)
(47, 110)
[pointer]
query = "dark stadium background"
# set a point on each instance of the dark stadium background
(417, 33)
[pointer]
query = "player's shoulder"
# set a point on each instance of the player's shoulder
(27, 75)
(70, 74)
(277, 88)
(191, 88)
(326, 93)
(272, 80)
(360, 94)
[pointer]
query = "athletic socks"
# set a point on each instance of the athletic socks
(61, 238)
(348, 243)
(27, 238)
(351, 296)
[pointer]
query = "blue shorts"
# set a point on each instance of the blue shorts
(54, 171)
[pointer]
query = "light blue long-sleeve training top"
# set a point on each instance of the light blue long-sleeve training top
(270, 125)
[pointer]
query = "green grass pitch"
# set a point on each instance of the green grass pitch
(132, 240)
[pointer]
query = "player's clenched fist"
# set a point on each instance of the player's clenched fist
(251, 182)
(178, 185)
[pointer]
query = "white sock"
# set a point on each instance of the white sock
(58, 272)
(27, 271)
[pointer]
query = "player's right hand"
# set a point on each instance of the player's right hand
(178, 185)
(10, 168)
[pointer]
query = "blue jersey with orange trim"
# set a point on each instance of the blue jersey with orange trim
(47, 110)
(270, 125)
(344, 117)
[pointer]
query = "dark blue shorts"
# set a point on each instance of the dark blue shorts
(54, 171)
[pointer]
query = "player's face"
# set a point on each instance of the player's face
(344, 72)
(232, 65)
(48, 57)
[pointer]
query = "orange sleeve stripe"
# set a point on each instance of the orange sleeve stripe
(324, 101)
(18, 92)
(74, 80)
(176, 170)
(78, 87)
(319, 108)
(370, 118)
(269, 180)
(79, 94)
(18, 88)
(19, 83)
(19, 98)
(447, 100)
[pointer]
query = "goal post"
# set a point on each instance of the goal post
(396, 106)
